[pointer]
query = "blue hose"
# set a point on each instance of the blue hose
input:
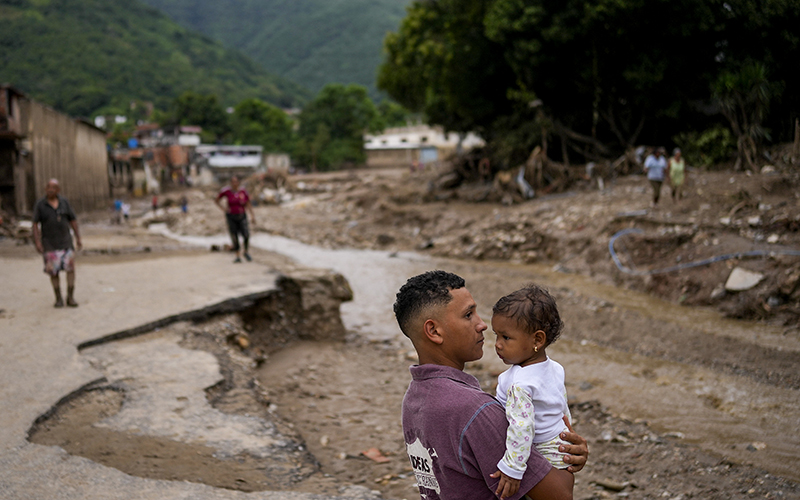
(704, 262)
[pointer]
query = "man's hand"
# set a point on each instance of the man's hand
(39, 247)
(78, 244)
(578, 451)
(508, 485)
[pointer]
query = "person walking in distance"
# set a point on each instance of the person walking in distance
(238, 205)
(54, 240)
(655, 165)
(677, 174)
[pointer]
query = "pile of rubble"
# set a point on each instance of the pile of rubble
(16, 229)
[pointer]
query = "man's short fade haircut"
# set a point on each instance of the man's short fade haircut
(422, 291)
(533, 308)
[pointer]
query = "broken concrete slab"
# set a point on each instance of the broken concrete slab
(40, 363)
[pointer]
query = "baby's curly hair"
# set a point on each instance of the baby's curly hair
(534, 309)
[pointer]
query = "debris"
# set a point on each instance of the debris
(741, 279)
(524, 187)
(790, 283)
(375, 455)
(384, 480)
(634, 213)
(611, 485)
(239, 339)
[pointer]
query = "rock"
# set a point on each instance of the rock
(718, 292)
(242, 340)
(773, 238)
(741, 279)
(385, 239)
(611, 485)
(754, 221)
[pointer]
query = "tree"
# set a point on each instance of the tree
(765, 31)
(332, 126)
(256, 122)
(392, 114)
(601, 75)
(205, 110)
(440, 63)
(604, 69)
(743, 98)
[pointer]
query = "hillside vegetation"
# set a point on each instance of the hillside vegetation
(311, 42)
(86, 56)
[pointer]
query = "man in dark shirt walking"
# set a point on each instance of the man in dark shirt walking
(54, 240)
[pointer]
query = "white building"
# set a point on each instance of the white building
(403, 146)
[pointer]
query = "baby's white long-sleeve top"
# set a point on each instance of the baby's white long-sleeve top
(535, 399)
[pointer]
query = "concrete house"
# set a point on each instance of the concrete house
(404, 146)
(38, 143)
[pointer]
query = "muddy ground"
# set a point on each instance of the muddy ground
(723, 213)
(344, 398)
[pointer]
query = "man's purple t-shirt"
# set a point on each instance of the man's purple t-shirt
(455, 434)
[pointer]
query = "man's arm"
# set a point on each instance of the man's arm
(37, 237)
(74, 224)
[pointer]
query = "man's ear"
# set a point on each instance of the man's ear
(431, 330)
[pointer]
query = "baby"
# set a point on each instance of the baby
(532, 390)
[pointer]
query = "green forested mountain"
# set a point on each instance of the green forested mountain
(84, 56)
(311, 42)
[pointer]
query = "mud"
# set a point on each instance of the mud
(336, 400)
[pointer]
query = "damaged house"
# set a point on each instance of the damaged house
(38, 143)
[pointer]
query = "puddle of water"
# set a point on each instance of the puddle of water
(721, 413)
